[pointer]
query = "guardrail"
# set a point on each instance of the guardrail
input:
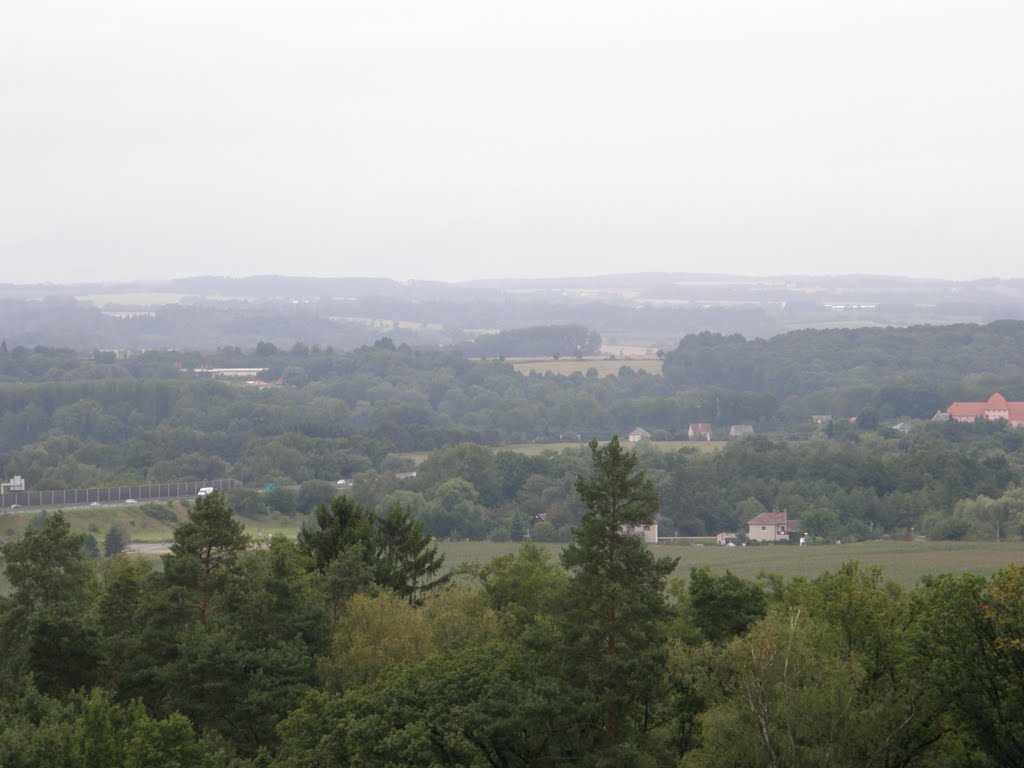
(63, 498)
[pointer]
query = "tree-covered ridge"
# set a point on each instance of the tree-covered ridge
(802, 362)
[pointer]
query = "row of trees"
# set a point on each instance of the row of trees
(436, 395)
(537, 341)
(296, 655)
(841, 489)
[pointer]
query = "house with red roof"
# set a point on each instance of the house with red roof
(772, 526)
(699, 432)
(996, 407)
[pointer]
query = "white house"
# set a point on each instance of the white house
(772, 526)
(649, 533)
(699, 432)
(638, 435)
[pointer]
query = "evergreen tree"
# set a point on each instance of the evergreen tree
(395, 551)
(340, 525)
(44, 626)
(516, 530)
(90, 547)
(115, 541)
(615, 609)
(407, 561)
(204, 550)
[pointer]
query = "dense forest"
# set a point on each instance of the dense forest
(71, 421)
(350, 647)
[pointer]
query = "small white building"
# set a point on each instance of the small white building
(649, 533)
(699, 432)
(639, 434)
(772, 526)
(740, 430)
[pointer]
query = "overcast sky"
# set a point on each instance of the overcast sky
(456, 139)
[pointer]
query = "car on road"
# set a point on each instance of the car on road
(94, 504)
(15, 506)
(130, 501)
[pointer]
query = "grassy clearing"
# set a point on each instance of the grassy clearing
(140, 526)
(902, 562)
(603, 366)
(144, 528)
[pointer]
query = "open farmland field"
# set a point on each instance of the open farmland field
(602, 365)
(900, 561)
(152, 299)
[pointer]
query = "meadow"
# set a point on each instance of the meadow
(144, 528)
(603, 365)
(902, 562)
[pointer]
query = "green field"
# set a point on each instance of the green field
(902, 562)
(143, 528)
(603, 366)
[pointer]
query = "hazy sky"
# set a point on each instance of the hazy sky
(455, 139)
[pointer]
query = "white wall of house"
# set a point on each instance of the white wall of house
(768, 533)
(649, 533)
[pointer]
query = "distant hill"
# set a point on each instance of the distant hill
(651, 310)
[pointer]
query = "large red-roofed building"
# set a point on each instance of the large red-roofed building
(996, 407)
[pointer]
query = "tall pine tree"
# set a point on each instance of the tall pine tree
(612, 627)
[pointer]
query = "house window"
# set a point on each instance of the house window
(764, 527)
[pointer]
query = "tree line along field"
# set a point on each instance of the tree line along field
(602, 365)
(538, 449)
(902, 562)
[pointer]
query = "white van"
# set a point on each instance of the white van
(205, 491)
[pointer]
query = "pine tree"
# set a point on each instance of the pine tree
(516, 530)
(407, 562)
(115, 541)
(204, 550)
(612, 623)
(45, 629)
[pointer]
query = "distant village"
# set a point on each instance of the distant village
(771, 527)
